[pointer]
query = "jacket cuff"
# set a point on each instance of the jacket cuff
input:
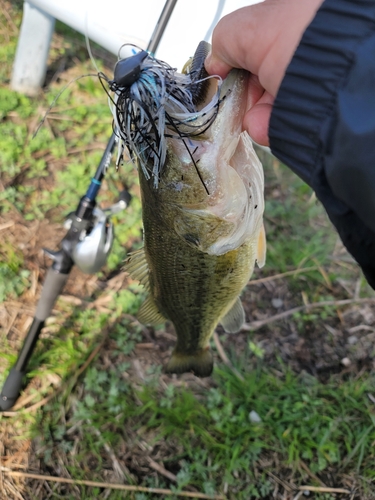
(302, 112)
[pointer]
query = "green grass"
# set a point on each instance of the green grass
(203, 434)
(329, 427)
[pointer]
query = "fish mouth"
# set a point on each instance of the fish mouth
(161, 104)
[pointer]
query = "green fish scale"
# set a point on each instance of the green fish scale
(191, 288)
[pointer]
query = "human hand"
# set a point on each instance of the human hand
(262, 39)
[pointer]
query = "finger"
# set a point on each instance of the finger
(216, 66)
(261, 38)
(256, 120)
(255, 91)
(236, 42)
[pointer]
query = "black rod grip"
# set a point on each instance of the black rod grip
(11, 389)
(53, 285)
(13, 383)
(28, 345)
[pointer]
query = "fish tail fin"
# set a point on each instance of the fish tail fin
(200, 363)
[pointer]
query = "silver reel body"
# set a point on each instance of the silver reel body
(91, 252)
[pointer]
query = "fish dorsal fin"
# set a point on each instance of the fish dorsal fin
(234, 319)
(149, 314)
(137, 267)
(262, 247)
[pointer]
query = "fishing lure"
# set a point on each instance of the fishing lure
(152, 101)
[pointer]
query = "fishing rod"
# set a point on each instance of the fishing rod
(88, 240)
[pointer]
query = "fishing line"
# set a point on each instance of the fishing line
(88, 46)
(55, 100)
(219, 11)
(99, 75)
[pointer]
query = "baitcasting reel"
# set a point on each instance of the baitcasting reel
(94, 243)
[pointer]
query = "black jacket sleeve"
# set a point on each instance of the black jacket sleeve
(323, 121)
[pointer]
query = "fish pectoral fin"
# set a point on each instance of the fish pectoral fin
(200, 363)
(149, 314)
(262, 247)
(234, 319)
(137, 267)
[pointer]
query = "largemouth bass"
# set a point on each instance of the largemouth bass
(203, 230)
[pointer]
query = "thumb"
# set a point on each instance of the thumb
(216, 66)
(261, 38)
(236, 42)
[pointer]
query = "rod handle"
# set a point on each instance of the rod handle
(53, 286)
(11, 389)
